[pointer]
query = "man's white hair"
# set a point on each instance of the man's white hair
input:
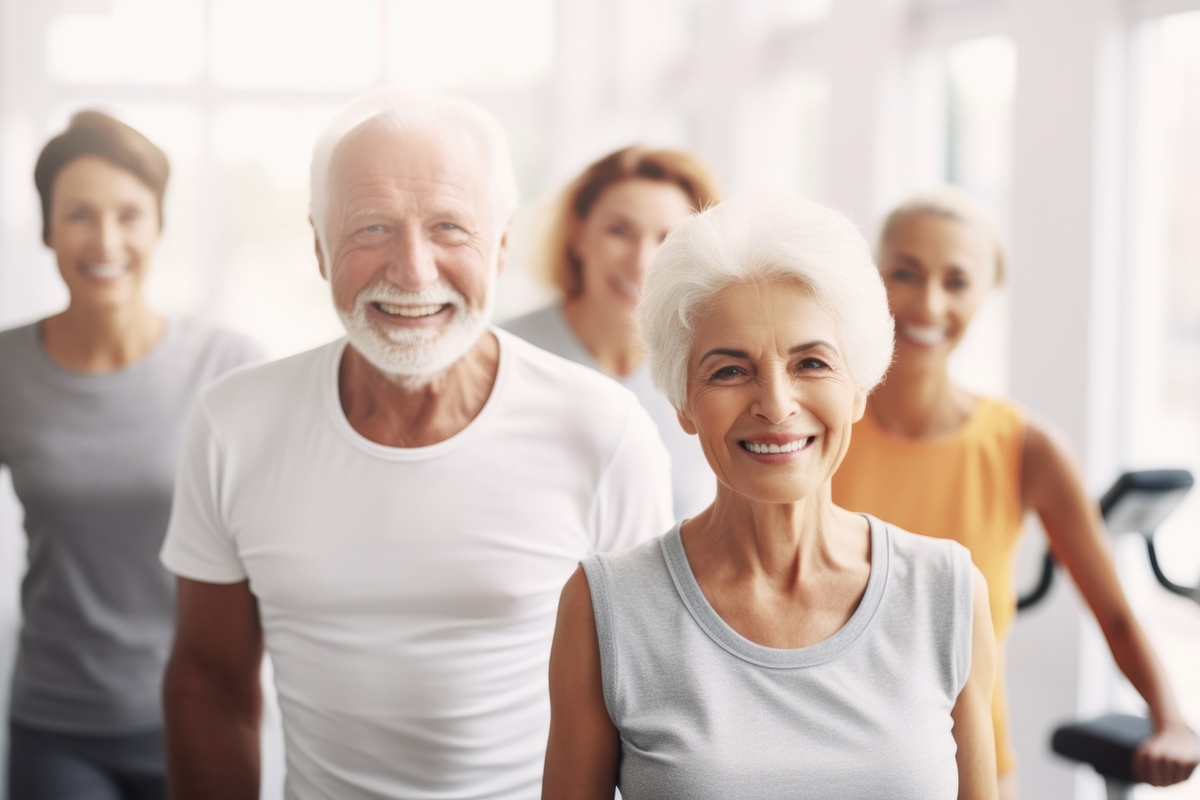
(399, 110)
(756, 238)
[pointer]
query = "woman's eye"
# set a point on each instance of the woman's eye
(619, 230)
(725, 373)
(812, 363)
(903, 276)
(131, 215)
(957, 284)
(372, 229)
(448, 226)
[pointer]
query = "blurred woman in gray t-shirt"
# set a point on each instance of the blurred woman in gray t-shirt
(91, 403)
(608, 223)
(774, 645)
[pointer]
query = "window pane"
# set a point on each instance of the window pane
(467, 43)
(980, 79)
(798, 12)
(310, 44)
(1163, 360)
(265, 279)
(140, 41)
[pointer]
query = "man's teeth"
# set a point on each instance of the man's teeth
(409, 311)
(104, 270)
(927, 336)
(790, 447)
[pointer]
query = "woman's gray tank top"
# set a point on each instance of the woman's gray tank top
(705, 713)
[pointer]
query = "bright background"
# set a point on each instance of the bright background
(1076, 122)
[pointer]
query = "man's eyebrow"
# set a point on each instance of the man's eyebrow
(722, 351)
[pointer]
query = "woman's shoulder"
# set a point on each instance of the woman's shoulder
(1000, 412)
(18, 339)
(543, 326)
(913, 551)
(225, 348)
(644, 559)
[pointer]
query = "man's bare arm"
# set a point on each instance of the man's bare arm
(211, 693)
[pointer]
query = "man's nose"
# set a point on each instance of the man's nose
(412, 264)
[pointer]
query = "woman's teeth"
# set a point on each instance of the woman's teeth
(104, 270)
(790, 447)
(410, 311)
(924, 335)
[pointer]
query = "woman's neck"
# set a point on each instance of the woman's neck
(611, 339)
(101, 339)
(919, 402)
(782, 542)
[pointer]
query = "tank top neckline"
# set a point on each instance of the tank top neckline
(977, 417)
(779, 658)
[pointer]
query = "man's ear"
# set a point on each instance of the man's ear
(860, 404)
(318, 249)
(502, 253)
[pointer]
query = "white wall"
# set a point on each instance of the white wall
(713, 74)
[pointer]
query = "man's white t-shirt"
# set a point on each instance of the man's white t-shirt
(408, 595)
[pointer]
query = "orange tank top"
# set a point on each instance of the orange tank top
(966, 486)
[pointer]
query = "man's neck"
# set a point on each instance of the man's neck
(390, 412)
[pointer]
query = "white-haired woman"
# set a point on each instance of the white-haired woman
(943, 462)
(775, 645)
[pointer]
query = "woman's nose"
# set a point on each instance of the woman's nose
(933, 301)
(646, 248)
(108, 238)
(775, 401)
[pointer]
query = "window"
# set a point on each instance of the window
(1162, 358)
(979, 77)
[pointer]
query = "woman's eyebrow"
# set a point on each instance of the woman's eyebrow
(721, 351)
(813, 345)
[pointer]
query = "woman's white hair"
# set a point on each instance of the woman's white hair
(399, 110)
(756, 238)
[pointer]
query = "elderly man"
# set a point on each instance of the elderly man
(395, 513)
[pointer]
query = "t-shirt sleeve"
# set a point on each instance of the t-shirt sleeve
(241, 350)
(633, 501)
(198, 544)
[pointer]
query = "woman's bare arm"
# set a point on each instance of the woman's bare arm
(972, 712)
(1053, 487)
(584, 746)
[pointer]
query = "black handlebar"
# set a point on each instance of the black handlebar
(1137, 502)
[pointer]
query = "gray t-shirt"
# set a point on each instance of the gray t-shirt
(705, 713)
(93, 464)
(692, 481)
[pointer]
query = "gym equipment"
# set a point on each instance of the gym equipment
(1138, 502)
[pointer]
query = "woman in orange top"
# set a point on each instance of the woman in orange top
(940, 461)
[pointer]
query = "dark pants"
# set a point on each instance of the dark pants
(44, 765)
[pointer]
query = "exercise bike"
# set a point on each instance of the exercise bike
(1138, 502)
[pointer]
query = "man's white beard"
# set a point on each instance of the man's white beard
(415, 356)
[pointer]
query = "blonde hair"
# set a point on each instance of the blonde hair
(563, 269)
(954, 203)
